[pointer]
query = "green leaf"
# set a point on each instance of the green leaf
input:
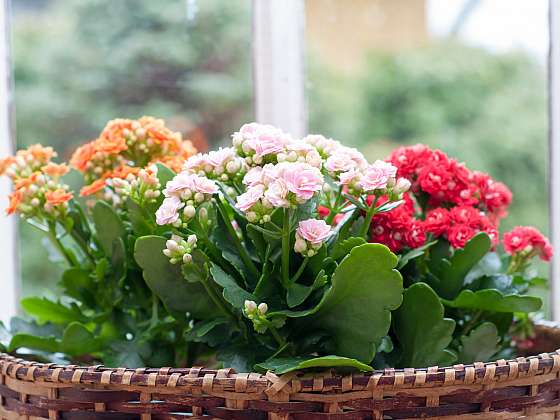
(304, 211)
(356, 309)
(405, 258)
(33, 342)
(212, 332)
(164, 174)
(78, 284)
(283, 365)
(388, 206)
(5, 337)
(44, 310)
(421, 329)
(298, 293)
(108, 226)
(167, 282)
(342, 248)
(480, 345)
(232, 292)
(78, 340)
(386, 345)
(139, 218)
(489, 265)
(451, 273)
(493, 300)
(118, 260)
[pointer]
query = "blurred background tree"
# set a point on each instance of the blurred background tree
(486, 109)
(78, 64)
(376, 79)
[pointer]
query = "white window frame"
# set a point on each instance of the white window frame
(554, 152)
(278, 64)
(9, 283)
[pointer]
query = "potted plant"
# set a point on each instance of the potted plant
(278, 255)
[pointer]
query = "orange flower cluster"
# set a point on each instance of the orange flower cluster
(124, 146)
(38, 191)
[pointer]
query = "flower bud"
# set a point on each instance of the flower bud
(263, 308)
(199, 197)
(187, 258)
(172, 245)
(402, 186)
(250, 306)
(251, 216)
(189, 212)
(203, 214)
(300, 245)
(191, 240)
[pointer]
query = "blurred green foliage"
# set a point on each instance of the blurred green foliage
(486, 109)
(80, 63)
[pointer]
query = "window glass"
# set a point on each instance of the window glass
(78, 64)
(468, 77)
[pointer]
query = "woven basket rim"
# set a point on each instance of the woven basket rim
(228, 379)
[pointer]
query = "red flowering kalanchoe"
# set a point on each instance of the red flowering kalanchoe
(527, 242)
(398, 228)
(446, 200)
(442, 181)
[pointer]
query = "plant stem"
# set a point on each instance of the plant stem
(300, 271)
(82, 244)
(286, 248)
(472, 322)
(155, 316)
(56, 242)
(369, 217)
(217, 300)
(264, 275)
(240, 248)
(334, 211)
(281, 342)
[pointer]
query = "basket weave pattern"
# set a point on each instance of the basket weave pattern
(520, 388)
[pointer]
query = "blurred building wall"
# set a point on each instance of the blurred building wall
(341, 31)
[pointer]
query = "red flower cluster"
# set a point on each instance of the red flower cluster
(445, 182)
(398, 228)
(446, 200)
(527, 241)
(459, 224)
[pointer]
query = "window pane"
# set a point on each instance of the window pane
(80, 63)
(468, 77)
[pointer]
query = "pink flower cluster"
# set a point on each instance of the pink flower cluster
(527, 241)
(282, 185)
(259, 144)
(446, 182)
(183, 194)
(223, 164)
(310, 236)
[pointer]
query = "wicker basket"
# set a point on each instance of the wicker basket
(522, 388)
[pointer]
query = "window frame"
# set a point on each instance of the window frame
(10, 283)
(554, 152)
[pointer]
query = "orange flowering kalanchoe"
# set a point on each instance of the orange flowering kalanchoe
(125, 146)
(38, 191)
